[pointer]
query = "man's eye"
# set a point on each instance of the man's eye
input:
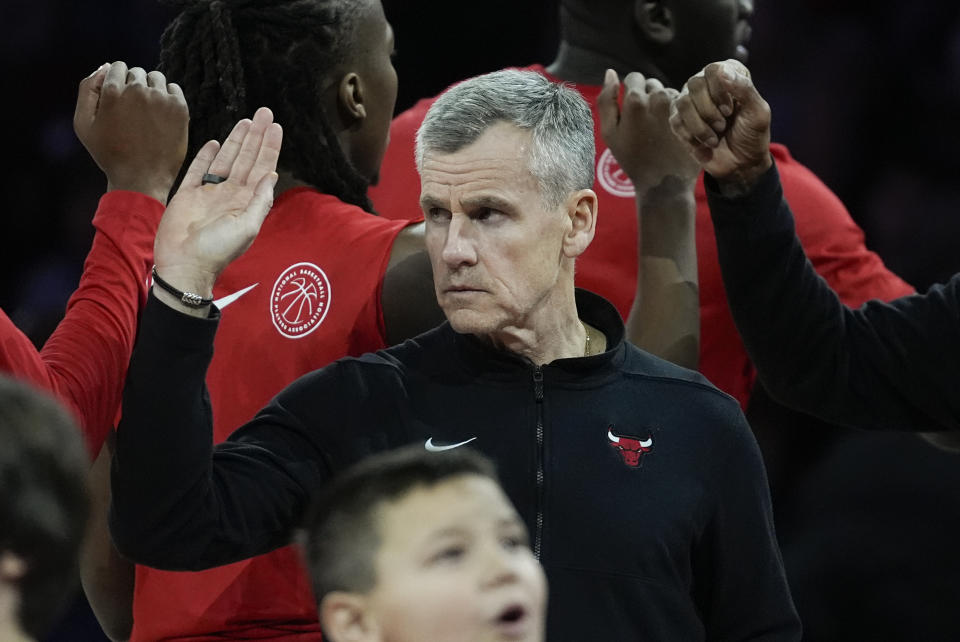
(486, 213)
(438, 214)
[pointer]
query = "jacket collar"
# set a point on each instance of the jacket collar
(483, 360)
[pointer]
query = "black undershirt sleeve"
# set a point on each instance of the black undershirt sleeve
(882, 366)
(179, 503)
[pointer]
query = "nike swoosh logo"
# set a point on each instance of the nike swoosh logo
(438, 449)
(230, 298)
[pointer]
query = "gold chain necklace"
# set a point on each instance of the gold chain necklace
(586, 340)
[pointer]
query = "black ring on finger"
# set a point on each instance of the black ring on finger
(212, 179)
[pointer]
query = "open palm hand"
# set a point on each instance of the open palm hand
(206, 226)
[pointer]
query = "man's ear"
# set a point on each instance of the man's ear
(346, 617)
(581, 207)
(350, 100)
(654, 19)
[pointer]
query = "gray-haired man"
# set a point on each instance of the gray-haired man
(641, 484)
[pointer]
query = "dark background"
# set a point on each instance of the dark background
(866, 94)
(863, 93)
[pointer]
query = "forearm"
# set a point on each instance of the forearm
(811, 351)
(178, 503)
(665, 317)
(107, 578)
(790, 321)
(84, 361)
(162, 501)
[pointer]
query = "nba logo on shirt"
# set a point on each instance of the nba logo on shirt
(299, 300)
(612, 177)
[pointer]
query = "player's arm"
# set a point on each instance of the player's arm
(408, 298)
(107, 578)
(874, 367)
(177, 504)
(869, 367)
(134, 124)
(832, 241)
(665, 317)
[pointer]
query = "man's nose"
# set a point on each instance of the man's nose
(458, 248)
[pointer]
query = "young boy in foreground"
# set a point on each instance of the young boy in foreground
(413, 545)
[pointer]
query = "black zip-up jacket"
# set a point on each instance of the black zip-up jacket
(641, 483)
(885, 365)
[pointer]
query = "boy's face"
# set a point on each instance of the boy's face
(454, 565)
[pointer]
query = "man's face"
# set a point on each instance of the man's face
(374, 49)
(707, 31)
(495, 248)
(454, 565)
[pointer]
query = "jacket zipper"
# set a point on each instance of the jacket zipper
(538, 395)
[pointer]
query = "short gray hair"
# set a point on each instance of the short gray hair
(562, 147)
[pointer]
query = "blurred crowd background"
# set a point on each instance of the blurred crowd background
(866, 94)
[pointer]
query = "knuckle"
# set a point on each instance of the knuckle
(137, 92)
(633, 98)
(686, 107)
(660, 97)
(109, 91)
(679, 107)
(702, 131)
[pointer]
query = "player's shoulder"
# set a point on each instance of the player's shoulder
(331, 212)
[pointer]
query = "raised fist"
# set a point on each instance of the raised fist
(638, 132)
(134, 125)
(725, 123)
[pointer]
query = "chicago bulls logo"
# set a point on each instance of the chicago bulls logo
(631, 448)
(300, 300)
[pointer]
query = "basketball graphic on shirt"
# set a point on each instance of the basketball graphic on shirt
(299, 300)
(612, 177)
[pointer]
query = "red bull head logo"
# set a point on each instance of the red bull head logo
(630, 448)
